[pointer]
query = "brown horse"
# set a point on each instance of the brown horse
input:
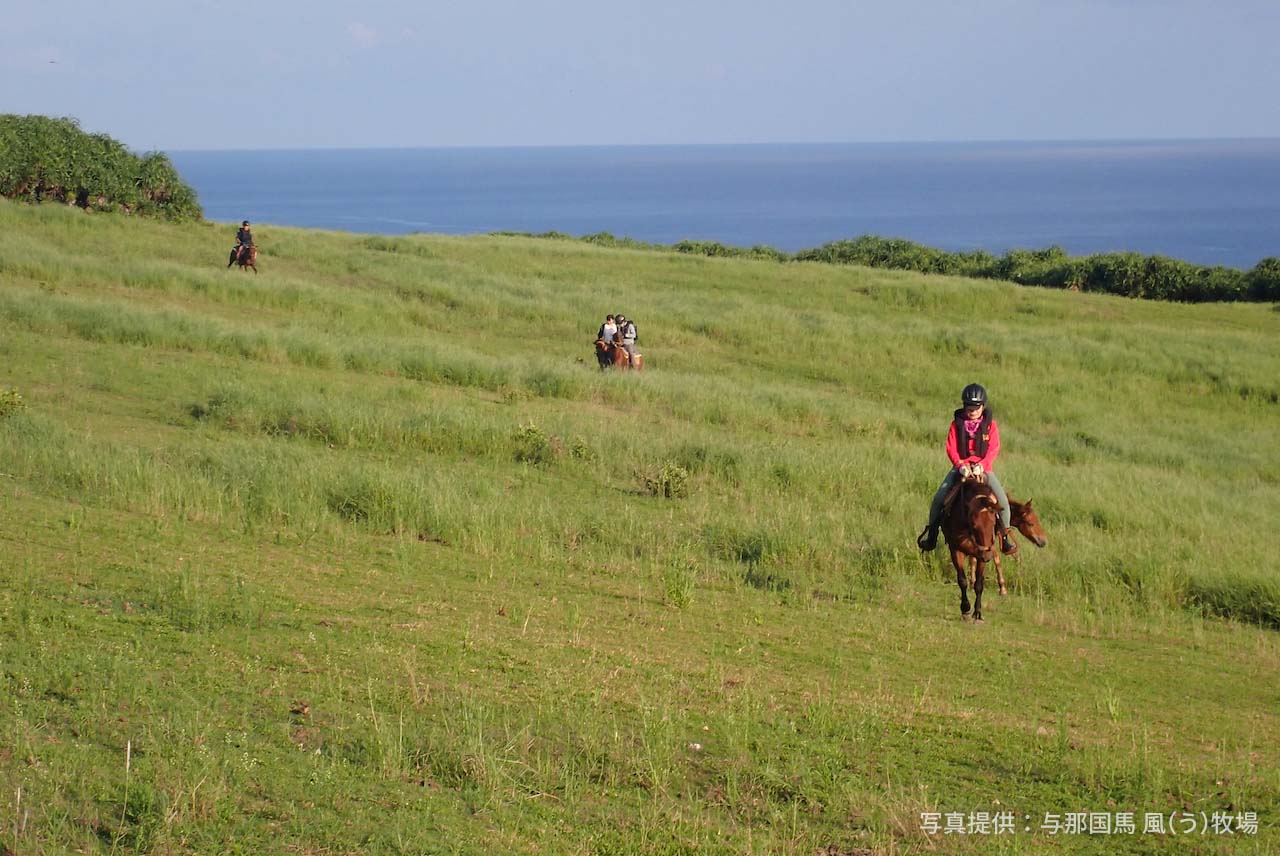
(1023, 518)
(623, 359)
(247, 257)
(969, 526)
(604, 355)
(612, 354)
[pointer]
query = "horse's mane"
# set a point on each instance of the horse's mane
(976, 496)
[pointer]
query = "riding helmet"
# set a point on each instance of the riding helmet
(245, 223)
(973, 395)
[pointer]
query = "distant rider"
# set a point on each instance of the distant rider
(607, 329)
(972, 445)
(627, 329)
(244, 240)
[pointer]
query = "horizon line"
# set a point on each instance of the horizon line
(796, 143)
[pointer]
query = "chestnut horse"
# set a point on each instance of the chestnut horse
(970, 525)
(247, 258)
(610, 354)
(602, 354)
(1023, 518)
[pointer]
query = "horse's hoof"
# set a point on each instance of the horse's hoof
(1003, 591)
(977, 619)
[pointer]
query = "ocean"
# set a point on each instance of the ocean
(1210, 202)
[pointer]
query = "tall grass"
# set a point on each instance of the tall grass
(366, 554)
(806, 408)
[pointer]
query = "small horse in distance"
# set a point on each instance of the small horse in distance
(604, 353)
(247, 257)
(614, 355)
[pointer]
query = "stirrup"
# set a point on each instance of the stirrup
(927, 540)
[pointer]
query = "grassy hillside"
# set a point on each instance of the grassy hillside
(359, 555)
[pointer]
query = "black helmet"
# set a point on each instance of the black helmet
(245, 223)
(973, 395)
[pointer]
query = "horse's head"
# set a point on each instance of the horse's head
(1025, 520)
(601, 347)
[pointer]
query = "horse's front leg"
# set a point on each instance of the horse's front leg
(979, 578)
(1000, 574)
(962, 580)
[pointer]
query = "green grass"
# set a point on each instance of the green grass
(363, 554)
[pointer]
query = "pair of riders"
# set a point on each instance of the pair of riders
(973, 442)
(615, 324)
(244, 240)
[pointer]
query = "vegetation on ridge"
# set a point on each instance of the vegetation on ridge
(1124, 274)
(53, 160)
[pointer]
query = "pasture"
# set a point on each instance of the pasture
(364, 554)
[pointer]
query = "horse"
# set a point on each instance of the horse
(969, 524)
(247, 257)
(622, 358)
(604, 353)
(1023, 517)
(610, 354)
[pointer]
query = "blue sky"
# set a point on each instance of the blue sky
(289, 74)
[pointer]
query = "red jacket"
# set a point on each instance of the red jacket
(993, 448)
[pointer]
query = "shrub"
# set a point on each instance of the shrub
(535, 446)
(11, 401)
(670, 480)
(1263, 282)
(44, 159)
(678, 579)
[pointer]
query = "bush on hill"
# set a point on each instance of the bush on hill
(53, 160)
(1125, 274)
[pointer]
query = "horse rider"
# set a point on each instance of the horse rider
(973, 442)
(607, 329)
(627, 328)
(244, 240)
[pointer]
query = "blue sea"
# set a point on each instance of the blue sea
(1211, 202)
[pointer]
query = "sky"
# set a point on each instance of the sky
(198, 74)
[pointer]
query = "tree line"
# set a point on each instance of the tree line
(52, 160)
(1126, 274)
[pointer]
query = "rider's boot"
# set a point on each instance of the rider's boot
(928, 538)
(1007, 544)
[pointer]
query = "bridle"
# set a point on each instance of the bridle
(964, 498)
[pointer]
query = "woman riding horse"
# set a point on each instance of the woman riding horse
(973, 442)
